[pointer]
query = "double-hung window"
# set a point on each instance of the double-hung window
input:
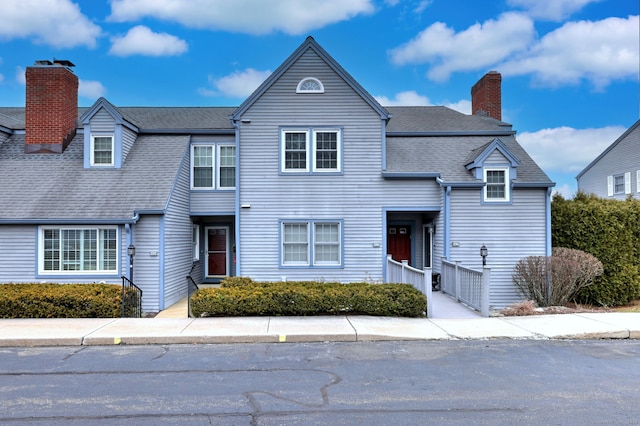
(313, 150)
(311, 243)
(496, 184)
(618, 184)
(78, 250)
(102, 150)
(213, 166)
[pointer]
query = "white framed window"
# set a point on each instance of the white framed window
(213, 166)
(79, 250)
(619, 184)
(311, 243)
(227, 168)
(102, 150)
(314, 150)
(310, 85)
(497, 187)
(326, 243)
(637, 180)
(196, 242)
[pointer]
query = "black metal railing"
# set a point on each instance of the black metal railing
(131, 299)
(192, 287)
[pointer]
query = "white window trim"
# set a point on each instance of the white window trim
(92, 150)
(311, 244)
(507, 185)
(41, 247)
(217, 169)
(338, 131)
(283, 148)
(637, 180)
(215, 166)
(299, 88)
(311, 151)
(196, 242)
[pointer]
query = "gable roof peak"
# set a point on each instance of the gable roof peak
(309, 43)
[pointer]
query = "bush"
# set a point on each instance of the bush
(607, 229)
(60, 301)
(568, 270)
(309, 298)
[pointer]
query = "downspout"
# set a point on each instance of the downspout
(447, 222)
(129, 230)
(237, 253)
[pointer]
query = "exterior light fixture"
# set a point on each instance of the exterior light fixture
(484, 252)
(131, 251)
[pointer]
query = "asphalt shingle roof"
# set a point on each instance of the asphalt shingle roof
(57, 187)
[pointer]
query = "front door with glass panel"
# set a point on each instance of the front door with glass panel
(399, 242)
(217, 250)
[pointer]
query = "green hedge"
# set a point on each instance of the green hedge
(242, 297)
(609, 230)
(60, 301)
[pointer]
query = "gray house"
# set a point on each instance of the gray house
(616, 172)
(309, 178)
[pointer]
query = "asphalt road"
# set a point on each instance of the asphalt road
(388, 383)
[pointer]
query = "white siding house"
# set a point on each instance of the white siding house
(310, 178)
(616, 172)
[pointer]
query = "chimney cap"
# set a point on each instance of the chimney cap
(63, 62)
(47, 63)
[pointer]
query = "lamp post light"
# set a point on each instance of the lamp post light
(484, 252)
(131, 251)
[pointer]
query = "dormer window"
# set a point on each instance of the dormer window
(497, 187)
(102, 150)
(310, 85)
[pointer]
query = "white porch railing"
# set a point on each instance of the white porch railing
(467, 285)
(401, 272)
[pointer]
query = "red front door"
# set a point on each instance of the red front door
(399, 242)
(217, 244)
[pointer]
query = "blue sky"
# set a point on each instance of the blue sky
(570, 67)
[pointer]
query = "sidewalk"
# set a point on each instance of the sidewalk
(110, 331)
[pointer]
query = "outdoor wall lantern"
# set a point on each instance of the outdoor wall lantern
(131, 251)
(484, 252)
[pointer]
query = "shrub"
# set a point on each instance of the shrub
(568, 270)
(607, 229)
(60, 300)
(309, 298)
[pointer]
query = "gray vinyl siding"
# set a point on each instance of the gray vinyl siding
(18, 253)
(624, 157)
(212, 202)
(510, 232)
(128, 138)
(359, 196)
(177, 239)
(146, 272)
(102, 121)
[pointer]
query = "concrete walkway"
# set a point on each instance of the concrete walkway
(110, 331)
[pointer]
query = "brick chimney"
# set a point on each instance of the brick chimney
(486, 96)
(51, 106)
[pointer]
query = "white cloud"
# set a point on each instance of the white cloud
(140, 40)
(598, 51)
(238, 84)
(244, 16)
(57, 23)
(565, 149)
(463, 106)
(477, 47)
(21, 78)
(408, 98)
(565, 190)
(91, 89)
(553, 10)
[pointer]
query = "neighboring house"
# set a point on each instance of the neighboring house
(616, 172)
(309, 179)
